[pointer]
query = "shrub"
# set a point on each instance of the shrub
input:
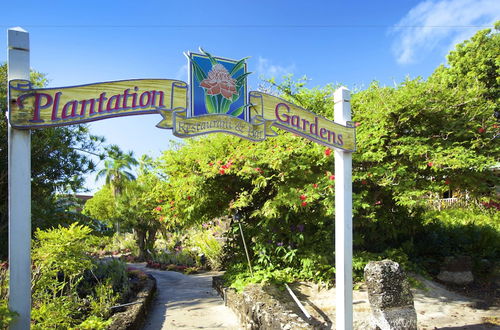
(209, 246)
(70, 289)
(6, 315)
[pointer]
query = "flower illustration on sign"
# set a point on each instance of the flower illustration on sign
(220, 82)
(223, 84)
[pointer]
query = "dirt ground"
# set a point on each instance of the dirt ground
(436, 306)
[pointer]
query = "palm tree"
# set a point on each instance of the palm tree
(116, 171)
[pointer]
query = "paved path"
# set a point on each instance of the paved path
(187, 302)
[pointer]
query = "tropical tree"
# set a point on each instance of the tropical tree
(117, 172)
(117, 168)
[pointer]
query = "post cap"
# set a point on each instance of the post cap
(18, 38)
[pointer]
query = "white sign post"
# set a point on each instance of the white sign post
(19, 191)
(343, 218)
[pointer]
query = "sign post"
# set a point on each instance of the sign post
(343, 217)
(19, 190)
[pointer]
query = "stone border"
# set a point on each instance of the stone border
(258, 308)
(134, 315)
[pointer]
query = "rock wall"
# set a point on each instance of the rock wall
(133, 316)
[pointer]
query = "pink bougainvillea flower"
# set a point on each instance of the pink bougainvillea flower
(304, 204)
(328, 151)
(303, 197)
(219, 81)
(332, 177)
(222, 172)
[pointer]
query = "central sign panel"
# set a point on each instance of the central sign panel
(218, 102)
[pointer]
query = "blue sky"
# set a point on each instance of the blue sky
(348, 42)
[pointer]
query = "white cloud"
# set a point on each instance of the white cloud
(266, 69)
(443, 19)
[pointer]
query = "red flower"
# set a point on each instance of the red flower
(315, 185)
(332, 177)
(210, 164)
(158, 208)
(481, 130)
(304, 204)
(328, 151)
(303, 197)
(447, 181)
(363, 181)
(219, 81)
(378, 202)
(430, 164)
(222, 171)
(258, 170)
(189, 198)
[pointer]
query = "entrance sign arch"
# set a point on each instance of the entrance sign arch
(218, 102)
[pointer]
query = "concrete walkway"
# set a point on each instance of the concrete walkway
(187, 302)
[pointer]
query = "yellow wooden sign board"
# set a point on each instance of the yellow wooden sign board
(45, 107)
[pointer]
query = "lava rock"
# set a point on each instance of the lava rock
(390, 297)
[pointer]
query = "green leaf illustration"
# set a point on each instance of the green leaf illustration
(241, 79)
(210, 104)
(238, 65)
(198, 72)
(225, 105)
(238, 111)
(210, 57)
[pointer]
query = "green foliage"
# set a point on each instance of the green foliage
(113, 272)
(102, 206)
(123, 243)
(104, 298)
(68, 286)
(61, 251)
(455, 232)
(204, 240)
(94, 323)
(6, 315)
(54, 312)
